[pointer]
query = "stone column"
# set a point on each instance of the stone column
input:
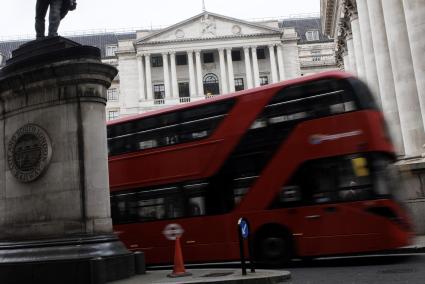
(255, 66)
(174, 83)
(273, 63)
(385, 74)
(199, 73)
(368, 49)
(141, 70)
(224, 89)
(280, 62)
(291, 59)
(230, 70)
(351, 54)
(166, 75)
(404, 77)
(192, 85)
(357, 41)
(415, 20)
(149, 90)
(248, 70)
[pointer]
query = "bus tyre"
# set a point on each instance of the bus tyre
(274, 249)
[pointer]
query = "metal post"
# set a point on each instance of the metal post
(241, 250)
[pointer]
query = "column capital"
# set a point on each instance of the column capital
(228, 48)
(254, 47)
(164, 53)
(197, 51)
(172, 53)
(349, 36)
(246, 48)
(271, 45)
(146, 54)
(351, 9)
(220, 49)
(139, 55)
(189, 51)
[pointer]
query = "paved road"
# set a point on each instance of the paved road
(378, 269)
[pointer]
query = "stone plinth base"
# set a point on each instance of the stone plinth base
(54, 168)
(96, 259)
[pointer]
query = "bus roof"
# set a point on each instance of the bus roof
(304, 79)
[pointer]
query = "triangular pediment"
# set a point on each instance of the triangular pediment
(208, 25)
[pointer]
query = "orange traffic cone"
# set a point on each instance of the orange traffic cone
(178, 270)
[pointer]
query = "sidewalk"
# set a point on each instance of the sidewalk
(234, 276)
(417, 246)
(228, 276)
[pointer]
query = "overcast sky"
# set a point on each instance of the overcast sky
(17, 16)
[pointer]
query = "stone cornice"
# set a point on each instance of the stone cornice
(263, 35)
(207, 14)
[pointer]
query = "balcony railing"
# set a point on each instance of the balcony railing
(184, 100)
(159, 101)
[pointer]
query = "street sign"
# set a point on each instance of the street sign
(172, 231)
(244, 228)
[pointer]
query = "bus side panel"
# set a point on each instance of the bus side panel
(165, 165)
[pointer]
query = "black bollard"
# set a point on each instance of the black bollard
(139, 262)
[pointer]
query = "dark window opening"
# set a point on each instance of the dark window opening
(181, 59)
(261, 53)
(184, 90)
(264, 80)
(239, 85)
(236, 55)
(156, 61)
(159, 92)
(208, 57)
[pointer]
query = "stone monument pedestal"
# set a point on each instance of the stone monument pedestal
(55, 224)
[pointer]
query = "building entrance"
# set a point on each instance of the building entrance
(211, 85)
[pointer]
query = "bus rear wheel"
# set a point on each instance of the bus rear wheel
(274, 249)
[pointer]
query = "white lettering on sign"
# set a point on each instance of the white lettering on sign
(172, 231)
(244, 232)
(319, 138)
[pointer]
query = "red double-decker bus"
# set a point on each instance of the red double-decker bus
(307, 161)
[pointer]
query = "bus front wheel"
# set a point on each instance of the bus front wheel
(274, 249)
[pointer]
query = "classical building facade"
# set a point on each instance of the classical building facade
(382, 42)
(211, 54)
(206, 55)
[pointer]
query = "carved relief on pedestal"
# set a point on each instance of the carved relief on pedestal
(28, 153)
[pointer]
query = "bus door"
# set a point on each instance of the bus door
(355, 194)
(332, 221)
(205, 224)
(318, 220)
